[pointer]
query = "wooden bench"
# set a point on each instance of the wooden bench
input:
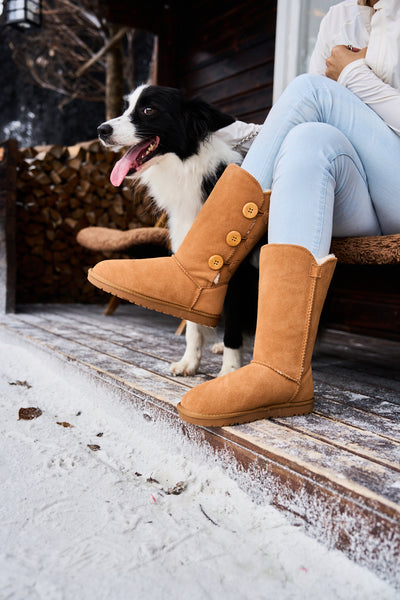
(373, 250)
(363, 251)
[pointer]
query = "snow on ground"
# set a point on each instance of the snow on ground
(146, 516)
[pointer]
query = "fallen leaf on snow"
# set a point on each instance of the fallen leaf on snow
(21, 383)
(94, 447)
(27, 414)
(152, 480)
(177, 489)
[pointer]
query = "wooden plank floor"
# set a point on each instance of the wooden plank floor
(336, 471)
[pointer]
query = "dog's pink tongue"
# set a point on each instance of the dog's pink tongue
(122, 167)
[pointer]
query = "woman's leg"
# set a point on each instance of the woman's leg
(313, 98)
(319, 189)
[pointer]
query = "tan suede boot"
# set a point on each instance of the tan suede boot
(278, 382)
(192, 283)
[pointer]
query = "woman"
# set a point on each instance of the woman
(330, 152)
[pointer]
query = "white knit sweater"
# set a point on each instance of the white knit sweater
(375, 79)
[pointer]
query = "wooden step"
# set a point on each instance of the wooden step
(336, 472)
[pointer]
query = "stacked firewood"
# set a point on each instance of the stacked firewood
(61, 190)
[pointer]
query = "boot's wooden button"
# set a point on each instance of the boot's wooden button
(233, 238)
(216, 262)
(250, 210)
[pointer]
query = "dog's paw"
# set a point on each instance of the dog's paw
(225, 369)
(184, 367)
(218, 348)
(231, 361)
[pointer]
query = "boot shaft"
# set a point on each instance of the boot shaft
(292, 291)
(229, 225)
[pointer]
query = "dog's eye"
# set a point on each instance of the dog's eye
(148, 110)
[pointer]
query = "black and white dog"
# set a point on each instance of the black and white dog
(175, 152)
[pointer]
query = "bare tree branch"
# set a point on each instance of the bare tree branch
(72, 34)
(116, 38)
(78, 54)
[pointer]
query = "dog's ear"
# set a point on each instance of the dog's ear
(201, 118)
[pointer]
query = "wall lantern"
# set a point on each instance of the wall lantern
(23, 14)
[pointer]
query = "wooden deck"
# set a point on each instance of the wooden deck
(336, 472)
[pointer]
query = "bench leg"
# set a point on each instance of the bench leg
(181, 328)
(112, 305)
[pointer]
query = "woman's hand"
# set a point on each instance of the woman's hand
(340, 57)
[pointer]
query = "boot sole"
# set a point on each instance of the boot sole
(265, 412)
(167, 308)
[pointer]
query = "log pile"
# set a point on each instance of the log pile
(60, 190)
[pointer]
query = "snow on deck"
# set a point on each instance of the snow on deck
(335, 472)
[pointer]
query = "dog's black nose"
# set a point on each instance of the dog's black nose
(104, 130)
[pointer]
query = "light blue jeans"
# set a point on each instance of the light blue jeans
(333, 166)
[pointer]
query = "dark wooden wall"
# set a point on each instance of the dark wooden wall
(222, 51)
(226, 55)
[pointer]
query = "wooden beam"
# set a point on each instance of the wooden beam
(8, 178)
